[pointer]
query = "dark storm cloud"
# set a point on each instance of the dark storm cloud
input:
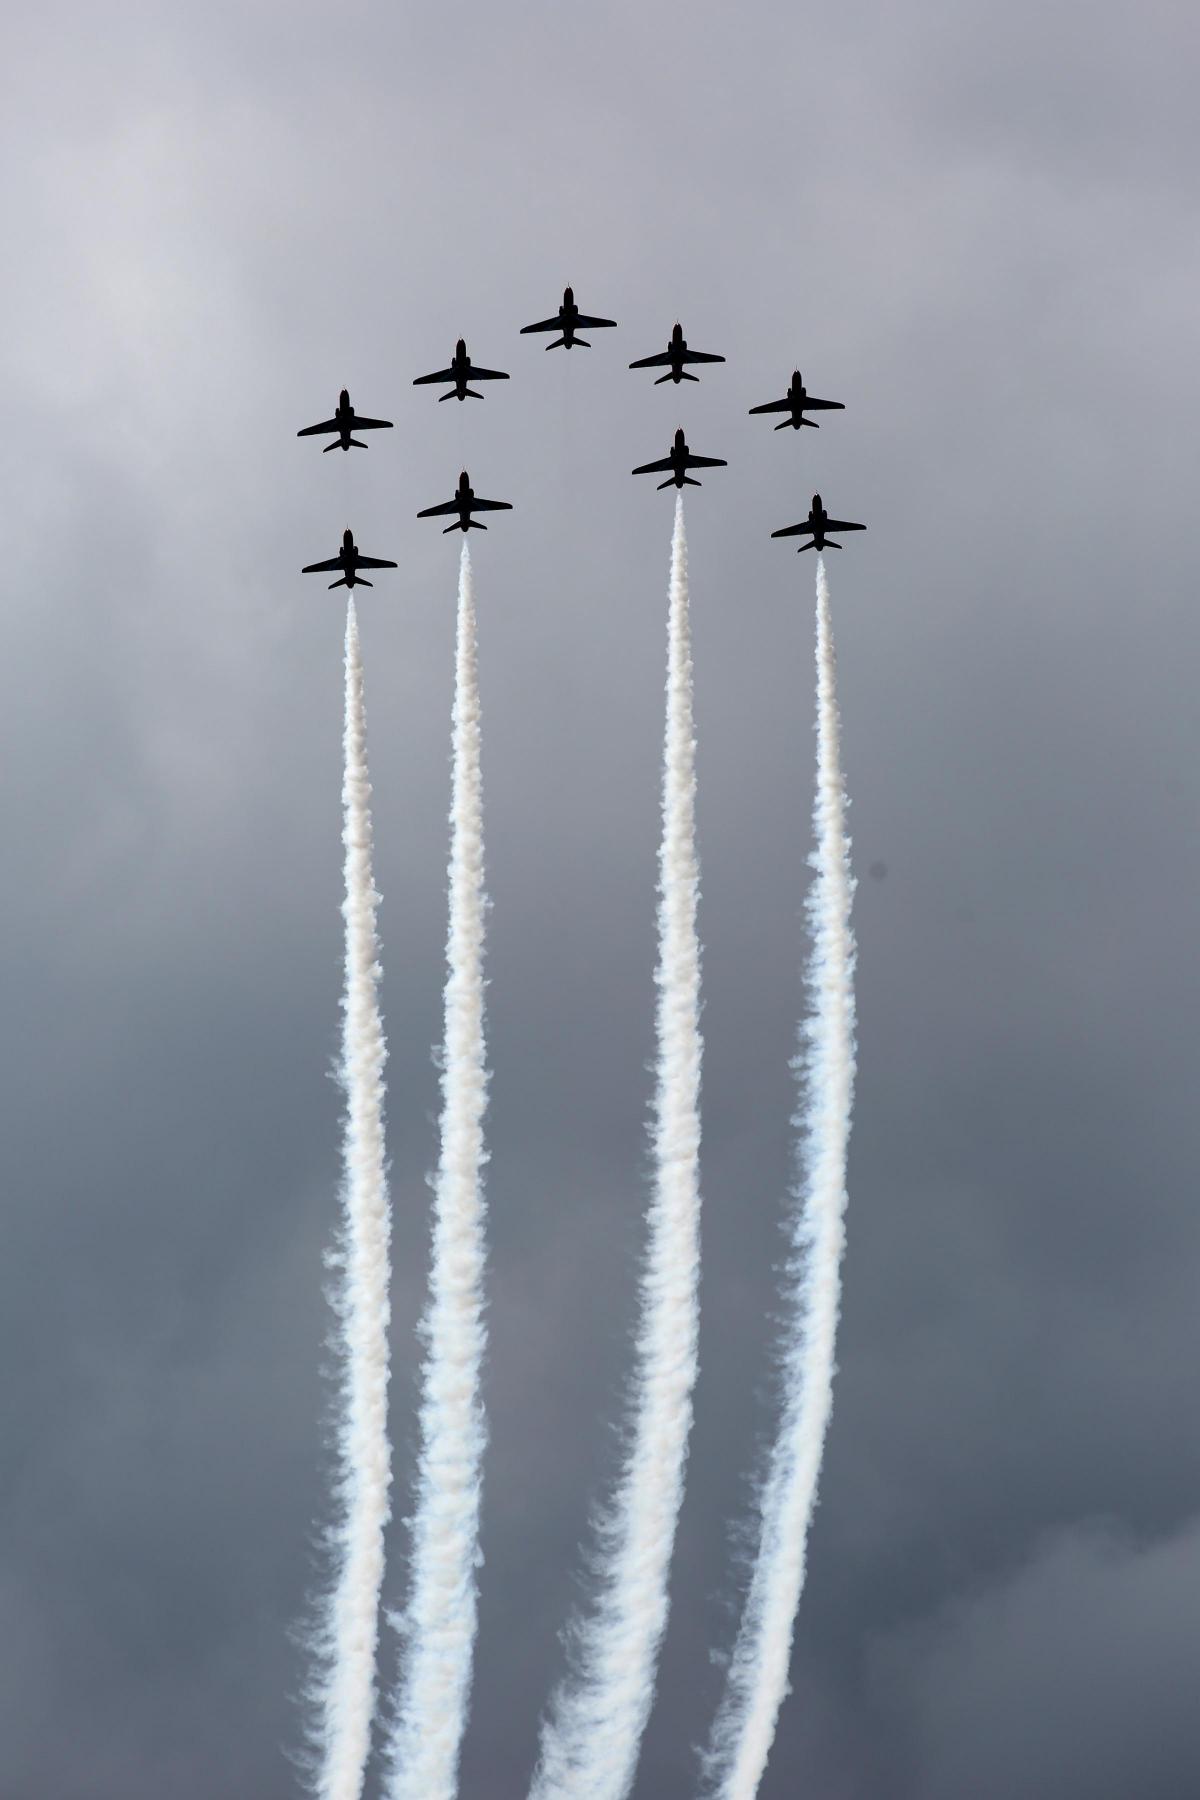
(970, 225)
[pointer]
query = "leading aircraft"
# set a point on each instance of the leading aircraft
(679, 461)
(345, 421)
(464, 503)
(797, 401)
(349, 560)
(818, 524)
(568, 320)
(673, 358)
(461, 371)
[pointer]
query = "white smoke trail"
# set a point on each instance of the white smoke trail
(590, 1743)
(344, 1688)
(757, 1681)
(438, 1624)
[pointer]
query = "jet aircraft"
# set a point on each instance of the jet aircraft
(567, 321)
(461, 371)
(819, 524)
(797, 401)
(464, 503)
(349, 560)
(679, 461)
(673, 358)
(345, 421)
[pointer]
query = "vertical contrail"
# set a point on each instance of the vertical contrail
(438, 1624)
(344, 1689)
(590, 1742)
(757, 1681)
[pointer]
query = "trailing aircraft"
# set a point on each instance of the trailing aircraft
(464, 503)
(568, 320)
(349, 560)
(461, 371)
(679, 461)
(345, 421)
(818, 524)
(673, 358)
(797, 401)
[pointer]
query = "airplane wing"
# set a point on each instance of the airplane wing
(701, 356)
(774, 406)
(486, 374)
(586, 323)
(374, 562)
(325, 425)
(811, 405)
(325, 568)
(841, 525)
(661, 361)
(554, 324)
(361, 424)
(438, 375)
(666, 466)
(795, 530)
(706, 462)
(432, 512)
(478, 505)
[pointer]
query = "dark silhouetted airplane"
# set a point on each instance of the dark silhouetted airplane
(461, 371)
(568, 320)
(673, 358)
(349, 560)
(679, 462)
(344, 421)
(464, 503)
(818, 524)
(797, 401)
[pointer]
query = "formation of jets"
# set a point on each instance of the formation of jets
(567, 323)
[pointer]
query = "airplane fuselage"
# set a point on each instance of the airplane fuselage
(677, 350)
(345, 418)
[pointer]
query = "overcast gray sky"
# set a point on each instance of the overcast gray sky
(975, 224)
